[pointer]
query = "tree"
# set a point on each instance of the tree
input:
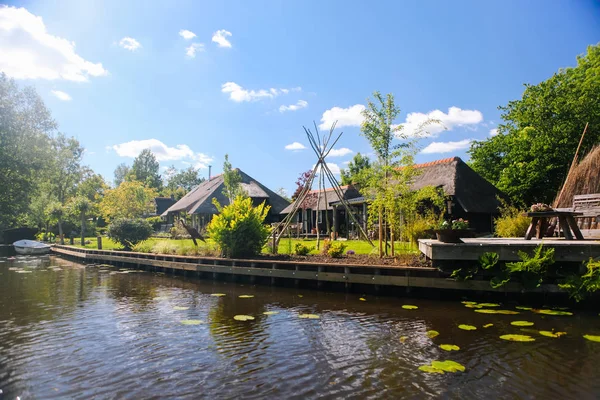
(129, 200)
(392, 173)
(25, 129)
(530, 156)
(81, 206)
(56, 211)
(356, 169)
(301, 182)
(232, 181)
(283, 193)
(145, 169)
(121, 172)
(64, 172)
(187, 179)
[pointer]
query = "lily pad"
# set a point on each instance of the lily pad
(522, 323)
(448, 366)
(179, 308)
(467, 327)
(593, 338)
(552, 334)
(430, 369)
(271, 312)
(518, 338)
(218, 294)
(309, 316)
(551, 312)
(505, 312)
(246, 296)
(432, 334)
(192, 322)
(472, 306)
(469, 302)
(23, 272)
(300, 296)
(488, 325)
(409, 307)
(449, 347)
(362, 299)
(524, 308)
(489, 304)
(403, 339)
(243, 317)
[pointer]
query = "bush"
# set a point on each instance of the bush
(301, 250)
(326, 246)
(238, 228)
(143, 247)
(179, 232)
(336, 250)
(419, 228)
(512, 222)
(165, 247)
(156, 222)
(129, 232)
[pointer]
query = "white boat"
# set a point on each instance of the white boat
(31, 247)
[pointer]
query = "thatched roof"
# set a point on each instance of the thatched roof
(349, 192)
(199, 199)
(583, 179)
(457, 179)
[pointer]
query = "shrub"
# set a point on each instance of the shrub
(143, 247)
(326, 246)
(238, 228)
(512, 222)
(165, 247)
(579, 287)
(301, 250)
(336, 250)
(179, 232)
(129, 232)
(156, 222)
(419, 228)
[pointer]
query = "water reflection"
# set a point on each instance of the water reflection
(73, 331)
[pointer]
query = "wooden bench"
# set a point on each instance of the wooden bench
(589, 207)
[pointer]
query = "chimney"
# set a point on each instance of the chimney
(209, 168)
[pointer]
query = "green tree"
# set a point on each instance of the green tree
(356, 170)
(121, 172)
(530, 157)
(81, 206)
(231, 181)
(129, 200)
(145, 169)
(187, 179)
(92, 185)
(25, 129)
(392, 172)
(56, 211)
(65, 171)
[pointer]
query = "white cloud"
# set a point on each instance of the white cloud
(446, 147)
(239, 94)
(162, 152)
(61, 95)
(334, 168)
(493, 132)
(28, 51)
(193, 48)
(129, 43)
(351, 116)
(187, 35)
(415, 123)
(220, 38)
(295, 146)
(339, 152)
(293, 107)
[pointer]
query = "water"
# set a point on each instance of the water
(84, 332)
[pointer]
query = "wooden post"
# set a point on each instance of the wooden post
(72, 241)
(99, 242)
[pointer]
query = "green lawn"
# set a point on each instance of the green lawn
(186, 246)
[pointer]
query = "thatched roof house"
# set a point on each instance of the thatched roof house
(198, 202)
(312, 197)
(584, 178)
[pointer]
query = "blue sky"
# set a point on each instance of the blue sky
(195, 80)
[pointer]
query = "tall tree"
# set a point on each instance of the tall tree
(121, 173)
(81, 206)
(92, 185)
(187, 179)
(145, 169)
(129, 200)
(232, 181)
(65, 170)
(356, 168)
(530, 156)
(25, 129)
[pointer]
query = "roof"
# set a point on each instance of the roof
(199, 199)
(473, 192)
(348, 192)
(163, 203)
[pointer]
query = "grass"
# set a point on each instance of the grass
(186, 246)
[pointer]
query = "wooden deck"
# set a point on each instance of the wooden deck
(507, 249)
(271, 272)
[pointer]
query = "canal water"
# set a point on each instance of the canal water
(68, 330)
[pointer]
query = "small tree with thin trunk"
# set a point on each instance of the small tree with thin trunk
(81, 206)
(232, 181)
(56, 211)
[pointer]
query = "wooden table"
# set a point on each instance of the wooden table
(566, 221)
